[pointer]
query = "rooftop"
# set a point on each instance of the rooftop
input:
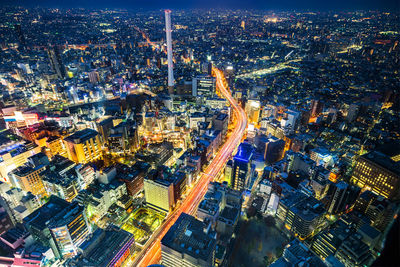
(383, 160)
(187, 236)
(104, 247)
(81, 136)
(41, 216)
(245, 151)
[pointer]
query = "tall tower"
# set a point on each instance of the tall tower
(56, 61)
(20, 35)
(169, 48)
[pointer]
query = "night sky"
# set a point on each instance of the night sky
(323, 5)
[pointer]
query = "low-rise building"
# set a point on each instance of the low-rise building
(188, 243)
(109, 247)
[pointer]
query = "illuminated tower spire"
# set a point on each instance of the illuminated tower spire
(169, 48)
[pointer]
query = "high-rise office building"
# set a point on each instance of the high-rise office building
(378, 173)
(204, 86)
(56, 62)
(302, 215)
(168, 31)
(252, 109)
(60, 225)
(15, 154)
(187, 243)
(341, 197)
(316, 107)
(69, 229)
(84, 146)
(364, 200)
(242, 167)
(378, 209)
(274, 148)
(104, 127)
(327, 242)
(228, 171)
(354, 252)
(133, 177)
(381, 212)
(28, 178)
(206, 67)
(94, 77)
(352, 112)
(55, 146)
(159, 194)
(20, 35)
(61, 179)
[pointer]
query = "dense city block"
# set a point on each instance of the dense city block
(198, 137)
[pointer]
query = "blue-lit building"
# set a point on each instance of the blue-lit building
(241, 171)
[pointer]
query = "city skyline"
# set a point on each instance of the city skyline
(199, 137)
(285, 5)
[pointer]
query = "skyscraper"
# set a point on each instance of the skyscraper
(60, 225)
(316, 107)
(56, 61)
(242, 166)
(69, 229)
(20, 35)
(168, 31)
(341, 197)
(84, 146)
(252, 109)
(159, 194)
(204, 86)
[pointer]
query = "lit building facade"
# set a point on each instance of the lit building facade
(301, 215)
(241, 170)
(69, 229)
(15, 119)
(159, 194)
(60, 225)
(13, 155)
(204, 85)
(56, 146)
(28, 179)
(378, 173)
(84, 146)
(252, 109)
